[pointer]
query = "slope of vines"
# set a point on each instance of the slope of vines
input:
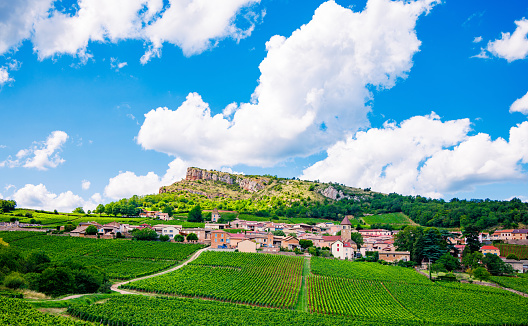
(265, 280)
(145, 311)
(365, 271)
(19, 312)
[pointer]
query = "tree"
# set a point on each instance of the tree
(305, 243)
(57, 281)
(472, 260)
(192, 237)
(179, 238)
(512, 256)
(292, 234)
(79, 210)
(168, 209)
(471, 232)
(438, 267)
(37, 262)
(14, 280)
(145, 234)
(495, 265)
(279, 233)
(100, 209)
(109, 208)
(195, 215)
(449, 262)
(91, 230)
(480, 273)
(406, 238)
(69, 227)
(7, 205)
(164, 238)
(357, 238)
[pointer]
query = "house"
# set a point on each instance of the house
(459, 249)
(236, 238)
(502, 235)
(171, 230)
(520, 266)
(490, 250)
(344, 248)
(519, 234)
(216, 226)
(215, 216)
(220, 239)
(247, 246)
(375, 232)
(393, 256)
(289, 243)
(327, 241)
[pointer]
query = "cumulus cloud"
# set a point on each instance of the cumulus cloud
(42, 155)
(313, 88)
(193, 25)
(512, 46)
(477, 39)
(127, 184)
(85, 184)
(39, 197)
(4, 76)
(424, 155)
(17, 19)
(520, 105)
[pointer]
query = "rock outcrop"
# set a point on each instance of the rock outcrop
(332, 193)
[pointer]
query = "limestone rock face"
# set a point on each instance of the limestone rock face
(246, 183)
(332, 193)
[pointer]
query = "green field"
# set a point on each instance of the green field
(146, 311)
(121, 259)
(19, 312)
(365, 271)
(519, 283)
(518, 250)
(391, 218)
(265, 280)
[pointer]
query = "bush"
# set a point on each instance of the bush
(179, 238)
(91, 230)
(145, 234)
(14, 280)
(512, 256)
(164, 238)
(69, 227)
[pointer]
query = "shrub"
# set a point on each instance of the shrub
(164, 238)
(512, 256)
(14, 281)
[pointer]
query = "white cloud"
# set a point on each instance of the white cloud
(193, 25)
(17, 19)
(4, 76)
(512, 46)
(483, 54)
(42, 155)
(313, 88)
(85, 184)
(520, 105)
(116, 64)
(127, 184)
(423, 155)
(477, 39)
(38, 197)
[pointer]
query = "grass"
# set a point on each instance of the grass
(302, 302)
(85, 299)
(391, 218)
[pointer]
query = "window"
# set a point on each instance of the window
(216, 240)
(221, 240)
(337, 249)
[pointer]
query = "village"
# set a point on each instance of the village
(272, 237)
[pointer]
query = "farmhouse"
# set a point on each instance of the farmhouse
(247, 246)
(490, 250)
(393, 256)
(220, 239)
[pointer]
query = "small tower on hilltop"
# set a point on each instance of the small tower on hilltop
(347, 228)
(215, 216)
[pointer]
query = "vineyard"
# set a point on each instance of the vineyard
(264, 280)
(364, 270)
(519, 283)
(121, 259)
(358, 298)
(458, 306)
(390, 218)
(19, 312)
(518, 250)
(144, 311)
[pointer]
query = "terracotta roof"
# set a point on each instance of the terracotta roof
(503, 231)
(237, 235)
(327, 238)
(522, 231)
(489, 248)
(345, 221)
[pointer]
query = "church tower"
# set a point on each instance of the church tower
(347, 229)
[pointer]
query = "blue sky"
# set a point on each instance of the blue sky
(100, 100)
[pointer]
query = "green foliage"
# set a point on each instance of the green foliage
(279, 233)
(69, 227)
(179, 238)
(7, 205)
(389, 218)
(164, 237)
(449, 262)
(195, 215)
(472, 260)
(145, 234)
(266, 280)
(79, 210)
(192, 237)
(357, 238)
(305, 243)
(496, 266)
(519, 283)
(91, 230)
(512, 256)
(19, 312)
(480, 273)
(14, 280)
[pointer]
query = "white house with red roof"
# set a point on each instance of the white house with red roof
(344, 248)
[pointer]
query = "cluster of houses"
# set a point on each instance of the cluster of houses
(155, 215)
